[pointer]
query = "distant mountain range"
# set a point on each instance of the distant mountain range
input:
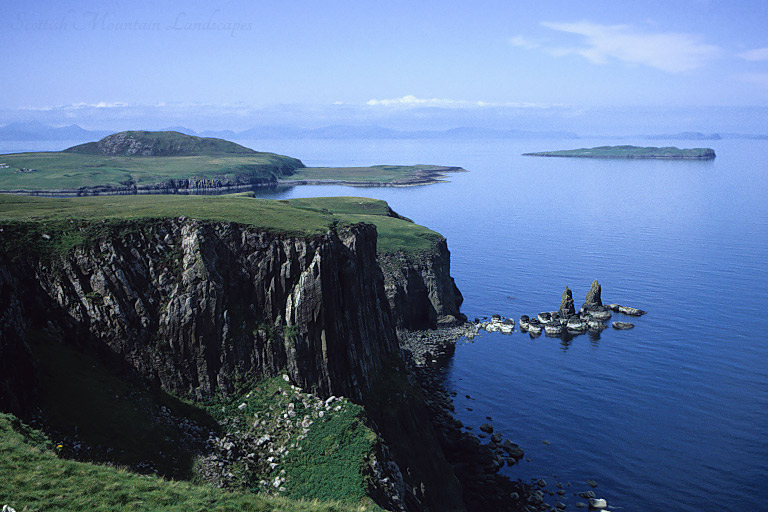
(36, 131)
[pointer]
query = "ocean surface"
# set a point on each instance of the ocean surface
(671, 415)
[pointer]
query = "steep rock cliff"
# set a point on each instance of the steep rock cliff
(196, 306)
(419, 287)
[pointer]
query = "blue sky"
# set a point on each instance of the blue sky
(237, 58)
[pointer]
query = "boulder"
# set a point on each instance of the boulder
(486, 427)
(597, 503)
(622, 325)
(512, 449)
(567, 307)
(626, 310)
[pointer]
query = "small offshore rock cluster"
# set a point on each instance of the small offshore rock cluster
(591, 317)
(566, 321)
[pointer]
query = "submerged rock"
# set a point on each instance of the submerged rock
(626, 310)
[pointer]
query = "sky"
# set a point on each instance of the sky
(231, 64)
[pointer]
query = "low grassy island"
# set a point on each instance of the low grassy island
(668, 153)
(143, 162)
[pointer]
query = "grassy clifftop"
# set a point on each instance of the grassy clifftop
(304, 217)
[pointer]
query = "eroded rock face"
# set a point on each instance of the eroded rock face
(420, 289)
(567, 307)
(196, 306)
(593, 300)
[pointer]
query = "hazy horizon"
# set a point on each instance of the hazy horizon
(645, 67)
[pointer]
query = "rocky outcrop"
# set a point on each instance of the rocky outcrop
(567, 307)
(420, 290)
(593, 300)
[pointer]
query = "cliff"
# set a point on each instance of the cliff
(198, 306)
(195, 305)
(419, 287)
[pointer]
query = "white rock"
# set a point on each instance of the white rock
(598, 503)
(242, 406)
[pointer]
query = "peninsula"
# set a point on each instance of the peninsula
(666, 153)
(145, 162)
(229, 342)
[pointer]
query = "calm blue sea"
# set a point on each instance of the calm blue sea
(672, 415)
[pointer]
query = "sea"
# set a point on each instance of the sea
(670, 415)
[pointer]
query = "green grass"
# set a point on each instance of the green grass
(59, 170)
(372, 174)
(35, 479)
(158, 143)
(631, 152)
(328, 464)
(71, 222)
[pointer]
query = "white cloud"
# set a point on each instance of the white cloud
(755, 55)
(413, 101)
(523, 42)
(668, 51)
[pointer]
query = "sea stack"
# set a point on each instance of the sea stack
(566, 304)
(594, 301)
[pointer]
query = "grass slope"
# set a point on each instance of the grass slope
(159, 144)
(35, 479)
(53, 171)
(380, 174)
(631, 152)
(72, 221)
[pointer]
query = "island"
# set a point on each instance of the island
(665, 153)
(167, 162)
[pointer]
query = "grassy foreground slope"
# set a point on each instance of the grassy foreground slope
(303, 217)
(632, 152)
(35, 479)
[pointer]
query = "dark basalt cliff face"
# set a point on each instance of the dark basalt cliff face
(196, 306)
(420, 289)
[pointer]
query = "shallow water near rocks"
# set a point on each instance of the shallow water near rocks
(670, 415)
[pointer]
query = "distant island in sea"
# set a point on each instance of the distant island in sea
(149, 162)
(670, 153)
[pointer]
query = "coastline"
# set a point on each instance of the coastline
(212, 187)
